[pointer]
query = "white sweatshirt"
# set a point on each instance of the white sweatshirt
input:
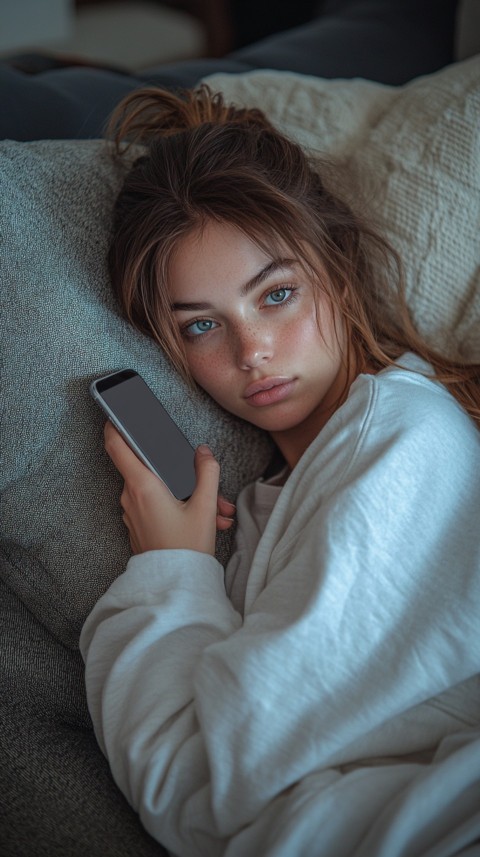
(305, 715)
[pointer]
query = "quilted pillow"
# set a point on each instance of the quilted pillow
(414, 153)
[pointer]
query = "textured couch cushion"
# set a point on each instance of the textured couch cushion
(416, 150)
(63, 541)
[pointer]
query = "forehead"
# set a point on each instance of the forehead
(216, 256)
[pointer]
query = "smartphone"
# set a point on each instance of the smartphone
(148, 429)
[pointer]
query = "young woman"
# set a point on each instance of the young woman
(293, 703)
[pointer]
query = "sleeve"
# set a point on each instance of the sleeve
(142, 644)
(210, 722)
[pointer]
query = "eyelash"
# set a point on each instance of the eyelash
(196, 337)
(292, 297)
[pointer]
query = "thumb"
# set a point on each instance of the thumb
(207, 470)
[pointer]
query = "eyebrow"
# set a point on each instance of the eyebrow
(272, 268)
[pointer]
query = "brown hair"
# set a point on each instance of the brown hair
(208, 160)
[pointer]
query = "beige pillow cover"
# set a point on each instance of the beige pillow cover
(416, 148)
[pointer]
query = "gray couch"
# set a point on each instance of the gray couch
(62, 539)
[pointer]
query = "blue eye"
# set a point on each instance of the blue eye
(196, 328)
(279, 296)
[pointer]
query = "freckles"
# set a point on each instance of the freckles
(206, 369)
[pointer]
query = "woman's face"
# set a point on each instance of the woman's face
(249, 325)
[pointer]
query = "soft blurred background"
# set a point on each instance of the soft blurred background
(137, 34)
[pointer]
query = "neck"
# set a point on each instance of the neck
(293, 442)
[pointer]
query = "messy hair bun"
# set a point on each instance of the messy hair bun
(147, 113)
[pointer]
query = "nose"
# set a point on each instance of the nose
(253, 347)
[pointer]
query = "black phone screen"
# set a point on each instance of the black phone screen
(150, 428)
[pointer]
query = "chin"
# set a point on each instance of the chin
(277, 422)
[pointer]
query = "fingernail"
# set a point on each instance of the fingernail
(204, 449)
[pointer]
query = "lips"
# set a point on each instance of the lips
(267, 391)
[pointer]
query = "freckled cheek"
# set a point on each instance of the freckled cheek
(208, 370)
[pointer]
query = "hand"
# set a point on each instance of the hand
(155, 519)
